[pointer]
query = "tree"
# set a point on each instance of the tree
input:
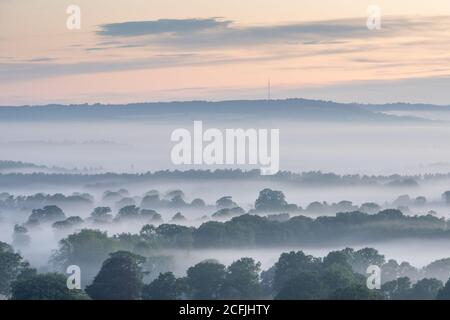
(426, 289)
(128, 212)
(270, 200)
(198, 203)
(361, 259)
(128, 241)
(10, 266)
(205, 280)
(124, 202)
(228, 213)
(20, 236)
(439, 269)
(120, 278)
(178, 217)
(444, 293)
(267, 277)
(123, 192)
(49, 286)
(84, 247)
(242, 280)
(68, 223)
(150, 215)
(226, 203)
(87, 249)
(446, 197)
(165, 287)
(336, 258)
(102, 214)
(390, 271)
(174, 193)
(304, 286)
(420, 201)
(398, 289)
(339, 276)
(370, 208)
(177, 202)
(345, 206)
(111, 196)
(291, 264)
(211, 233)
(402, 201)
(177, 236)
(317, 207)
(148, 232)
(4, 247)
(407, 270)
(356, 292)
(48, 214)
(150, 201)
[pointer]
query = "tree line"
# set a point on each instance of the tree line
(295, 276)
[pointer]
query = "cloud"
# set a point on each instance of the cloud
(27, 71)
(19, 71)
(162, 26)
(215, 32)
(40, 59)
(186, 42)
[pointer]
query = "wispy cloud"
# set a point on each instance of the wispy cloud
(40, 59)
(162, 26)
(27, 70)
(215, 32)
(194, 42)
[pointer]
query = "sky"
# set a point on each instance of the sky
(164, 50)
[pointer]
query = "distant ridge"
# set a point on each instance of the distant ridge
(293, 109)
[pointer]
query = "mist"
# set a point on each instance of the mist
(327, 168)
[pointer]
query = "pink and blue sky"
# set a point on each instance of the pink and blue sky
(161, 50)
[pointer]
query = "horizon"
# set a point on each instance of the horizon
(272, 100)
